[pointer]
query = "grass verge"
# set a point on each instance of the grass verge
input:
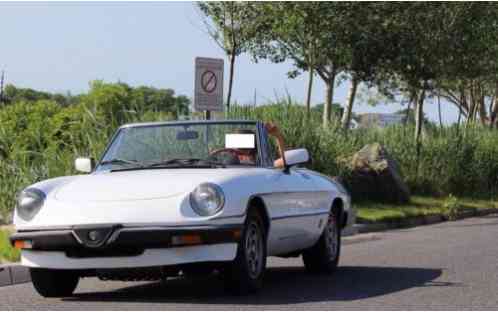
(368, 212)
(7, 252)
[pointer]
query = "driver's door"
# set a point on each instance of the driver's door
(294, 205)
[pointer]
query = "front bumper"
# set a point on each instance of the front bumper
(117, 246)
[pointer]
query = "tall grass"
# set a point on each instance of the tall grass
(456, 161)
(39, 140)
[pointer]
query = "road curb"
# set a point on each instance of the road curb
(364, 228)
(12, 274)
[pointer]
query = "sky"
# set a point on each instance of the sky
(62, 46)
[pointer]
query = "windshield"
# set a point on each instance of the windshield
(183, 145)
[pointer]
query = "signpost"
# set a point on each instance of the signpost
(208, 95)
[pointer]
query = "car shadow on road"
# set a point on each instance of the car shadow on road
(283, 285)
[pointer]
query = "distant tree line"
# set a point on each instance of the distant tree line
(115, 98)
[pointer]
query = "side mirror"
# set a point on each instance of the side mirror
(296, 157)
(84, 164)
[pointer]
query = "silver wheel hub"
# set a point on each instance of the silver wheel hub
(331, 237)
(254, 250)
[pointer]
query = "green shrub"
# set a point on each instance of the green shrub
(451, 207)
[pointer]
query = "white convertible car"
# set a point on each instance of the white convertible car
(182, 198)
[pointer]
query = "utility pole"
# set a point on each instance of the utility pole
(2, 79)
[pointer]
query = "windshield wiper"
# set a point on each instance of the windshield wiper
(185, 162)
(119, 161)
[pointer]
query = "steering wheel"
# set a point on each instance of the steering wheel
(233, 153)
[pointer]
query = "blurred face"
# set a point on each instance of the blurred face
(246, 154)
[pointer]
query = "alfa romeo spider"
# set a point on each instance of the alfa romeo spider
(180, 198)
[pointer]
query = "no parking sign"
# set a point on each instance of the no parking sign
(208, 84)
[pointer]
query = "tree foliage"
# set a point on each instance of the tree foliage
(232, 25)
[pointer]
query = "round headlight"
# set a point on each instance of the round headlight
(207, 199)
(29, 202)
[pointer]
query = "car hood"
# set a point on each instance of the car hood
(138, 184)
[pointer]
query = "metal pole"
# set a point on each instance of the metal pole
(1, 87)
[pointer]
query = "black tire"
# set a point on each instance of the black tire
(323, 257)
(245, 274)
(54, 283)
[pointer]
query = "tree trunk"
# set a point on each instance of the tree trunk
(329, 97)
(483, 114)
(230, 78)
(413, 98)
(308, 94)
(472, 104)
(419, 116)
(460, 109)
(346, 116)
(494, 111)
(439, 112)
(476, 110)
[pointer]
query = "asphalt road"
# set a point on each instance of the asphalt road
(452, 265)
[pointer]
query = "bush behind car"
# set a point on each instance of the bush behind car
(39, 139)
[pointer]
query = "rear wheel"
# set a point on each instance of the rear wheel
(323, 257)
(245, 273)
(54, 283)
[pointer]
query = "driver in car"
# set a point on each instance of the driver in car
(246, 156)
(249, 155)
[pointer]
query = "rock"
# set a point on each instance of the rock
(376, 176)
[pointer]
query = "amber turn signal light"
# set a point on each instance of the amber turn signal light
(237, 234)
(186, 240)
(23, 244)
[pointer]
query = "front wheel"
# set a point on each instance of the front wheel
(245, 273)
(54, 283)
(323, 257)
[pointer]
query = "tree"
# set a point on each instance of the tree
(444, 42)
(159, 100)
(326, 39)
(231, 25)
(336, 109)
(12, 94)
(303, 33)
(471, 84)
(409, 114)
(365, 49)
